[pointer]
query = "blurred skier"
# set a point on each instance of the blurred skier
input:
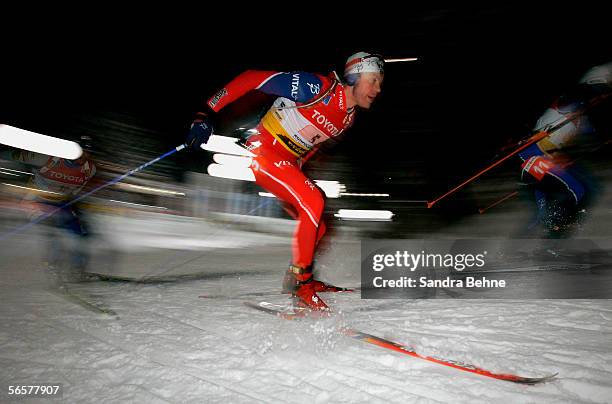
(310, 109)
(548, 166)
(55, 182)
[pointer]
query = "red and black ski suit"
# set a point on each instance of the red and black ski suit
(309, 110)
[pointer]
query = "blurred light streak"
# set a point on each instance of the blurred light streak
(16, 171)
(150, 190)
(401, 60)
(227, 145)
(31, 189)
(229, 160)
(354, 214)
(231, 172)
(360, 194)
(139, 204)
(38, 143)
(5, 173)
(332, 189)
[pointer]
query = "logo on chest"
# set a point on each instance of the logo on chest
(295, 85)
(67, 178)
(325, 123)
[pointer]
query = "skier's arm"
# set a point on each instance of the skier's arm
(297, 86)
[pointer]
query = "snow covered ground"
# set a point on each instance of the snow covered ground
(194, 341)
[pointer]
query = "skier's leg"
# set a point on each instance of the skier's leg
(287, 182)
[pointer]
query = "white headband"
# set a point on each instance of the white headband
(362, 62)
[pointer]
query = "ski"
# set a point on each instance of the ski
(98, 277)
(288, 313)
(394, 346)
(241, 295)
(69, 295)
(261, 294)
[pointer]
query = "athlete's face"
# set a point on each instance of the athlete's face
(367, 89)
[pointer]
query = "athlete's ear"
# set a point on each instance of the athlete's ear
(351, 79)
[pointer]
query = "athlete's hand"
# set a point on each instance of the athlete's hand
(199, 132)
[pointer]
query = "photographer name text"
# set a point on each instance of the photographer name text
(448, 282)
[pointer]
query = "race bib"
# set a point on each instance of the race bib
(537, 166)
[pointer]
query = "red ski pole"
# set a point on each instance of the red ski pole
(534, 139)
(505, 198)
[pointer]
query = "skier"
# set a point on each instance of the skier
(55, 182)
(310, 109)
(547, 166)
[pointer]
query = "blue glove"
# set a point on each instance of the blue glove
(199, 132)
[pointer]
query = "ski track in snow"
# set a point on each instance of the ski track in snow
(168, 345)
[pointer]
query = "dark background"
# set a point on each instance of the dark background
(486, 72)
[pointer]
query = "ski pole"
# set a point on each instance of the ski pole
(505, 198)
(73, 201)
(534, 139)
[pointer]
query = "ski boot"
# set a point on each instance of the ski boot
(302, 286)
(319, 286)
